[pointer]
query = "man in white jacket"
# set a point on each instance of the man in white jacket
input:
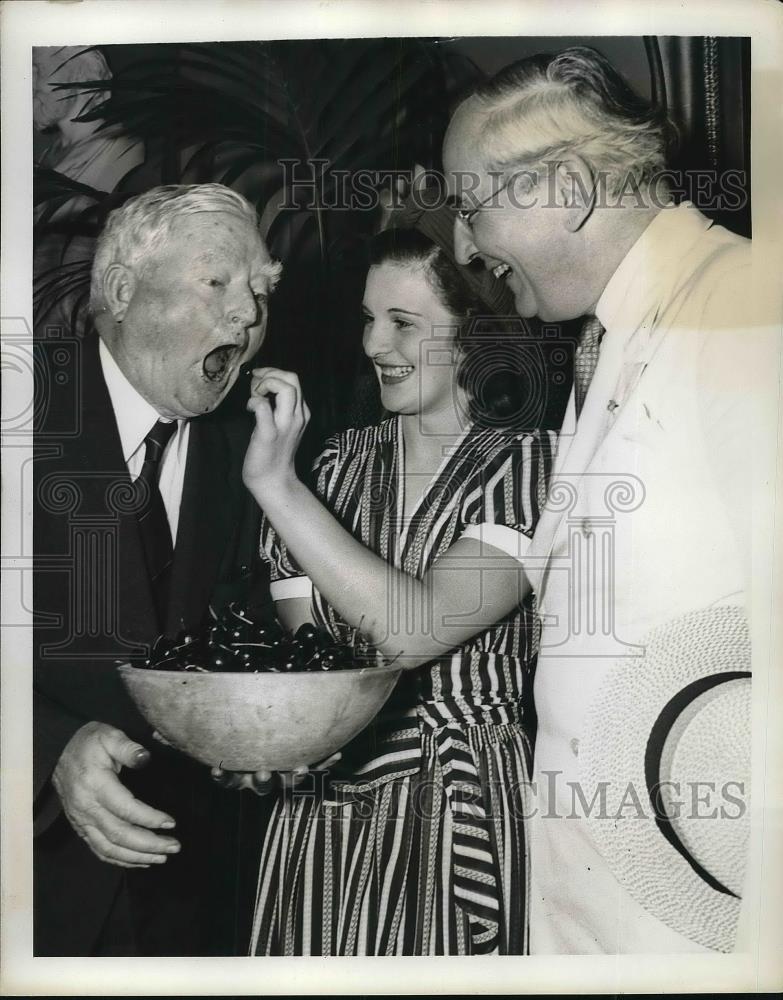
(557, 166)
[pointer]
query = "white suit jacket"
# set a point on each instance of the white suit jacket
(648, 518)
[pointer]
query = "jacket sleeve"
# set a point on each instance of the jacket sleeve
(53, 727)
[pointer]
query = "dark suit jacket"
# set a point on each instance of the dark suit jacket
(93, 608)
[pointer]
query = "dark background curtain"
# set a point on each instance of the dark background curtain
(705, 85)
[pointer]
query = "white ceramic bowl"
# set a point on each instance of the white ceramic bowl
(263, 721)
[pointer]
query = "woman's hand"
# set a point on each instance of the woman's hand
(263, 782)
(281, 418)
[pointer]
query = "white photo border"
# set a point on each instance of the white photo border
(32, 23)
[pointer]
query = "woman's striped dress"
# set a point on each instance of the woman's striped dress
(416, 844)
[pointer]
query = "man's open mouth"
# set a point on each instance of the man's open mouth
(219, 363)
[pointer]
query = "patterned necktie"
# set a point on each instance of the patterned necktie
(152, 519)
(586, 359)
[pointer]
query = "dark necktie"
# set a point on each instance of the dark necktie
(152, 519)
(586, 359)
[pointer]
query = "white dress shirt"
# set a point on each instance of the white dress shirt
(135, 419)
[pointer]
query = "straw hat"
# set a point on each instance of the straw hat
(674, 727)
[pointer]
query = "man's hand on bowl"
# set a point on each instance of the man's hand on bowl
(264, 782)
(116, 826)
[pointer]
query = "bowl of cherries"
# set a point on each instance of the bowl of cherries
(248, 696)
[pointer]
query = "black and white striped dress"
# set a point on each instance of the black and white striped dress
(416, 845)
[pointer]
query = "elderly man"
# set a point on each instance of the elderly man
(141, 523)
(557, 167)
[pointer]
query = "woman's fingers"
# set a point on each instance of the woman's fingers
(287, 410)
(260, 782)
(326, 764)
(291, 377)
(264, 782)
(290, 779)
(261, 405)
(266, 380)
(265, 418)
(272, 382)
(287, 396)
(229, 779)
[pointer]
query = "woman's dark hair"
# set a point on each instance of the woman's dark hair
(493, 379)
(409, 246)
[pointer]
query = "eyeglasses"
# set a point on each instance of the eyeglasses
(467, 215)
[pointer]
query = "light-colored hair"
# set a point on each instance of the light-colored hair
(538, 109)
(137, 230)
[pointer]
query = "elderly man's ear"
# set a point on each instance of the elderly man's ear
(119, 284)
(576, 189)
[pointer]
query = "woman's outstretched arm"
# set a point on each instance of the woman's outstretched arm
(467, 590)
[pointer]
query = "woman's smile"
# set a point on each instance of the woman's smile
(407, 328)
(393, 374)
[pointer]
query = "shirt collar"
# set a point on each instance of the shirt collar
(134, 415)
(635, 287)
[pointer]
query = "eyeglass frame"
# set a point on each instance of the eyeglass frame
(466, 214)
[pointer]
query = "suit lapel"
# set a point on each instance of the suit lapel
(98, 452)
(652, 279)
(621, 364)
(213, 502)
(210, 507)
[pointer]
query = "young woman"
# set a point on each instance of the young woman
(417, 844)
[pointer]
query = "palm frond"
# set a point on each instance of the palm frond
(232, 112)
(63, 293)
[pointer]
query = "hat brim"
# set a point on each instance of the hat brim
(624, 744)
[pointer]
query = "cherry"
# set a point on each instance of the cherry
(307, 647)
(218, 634)
(266, 633)
(233, 641)
(330, 659)
(236, 635)
(184, 641)
(290, 659)
(249, 661)
(237, 611)
(168, 663)
(221, 661)
(162, 647)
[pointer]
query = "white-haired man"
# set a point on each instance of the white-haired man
(180, 283)
(558, 169)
